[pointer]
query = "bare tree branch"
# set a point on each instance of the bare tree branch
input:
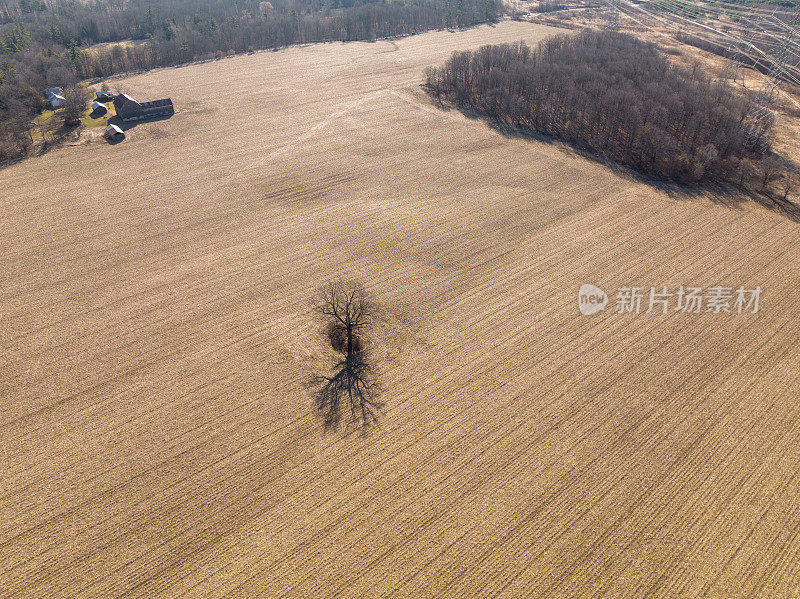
(350, 305)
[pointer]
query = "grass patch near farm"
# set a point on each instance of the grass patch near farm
(50, 119)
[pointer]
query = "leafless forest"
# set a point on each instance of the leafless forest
(616, 96)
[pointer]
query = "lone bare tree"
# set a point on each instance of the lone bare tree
(350, 311)
(790, 183)
(771, 167)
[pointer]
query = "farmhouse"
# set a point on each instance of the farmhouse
(129, 109)
(54, 97)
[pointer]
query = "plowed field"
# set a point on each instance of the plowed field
(157, 437)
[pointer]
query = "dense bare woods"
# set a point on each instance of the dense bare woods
(613, 95)
(179, 37)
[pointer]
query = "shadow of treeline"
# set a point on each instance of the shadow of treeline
(720, 193)
(56, 138)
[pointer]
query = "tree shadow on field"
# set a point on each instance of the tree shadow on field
(722, 194)
(57, 138)
(350, 392)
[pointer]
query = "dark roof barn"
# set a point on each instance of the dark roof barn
(129, 109)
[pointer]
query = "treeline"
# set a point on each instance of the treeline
(617, 97)
(48, 43)
(549, 6)
(178, 42)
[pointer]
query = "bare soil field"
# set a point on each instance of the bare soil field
(157, 437)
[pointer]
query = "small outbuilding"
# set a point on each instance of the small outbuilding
(99, 108)
(103, 97)
(114, 132)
